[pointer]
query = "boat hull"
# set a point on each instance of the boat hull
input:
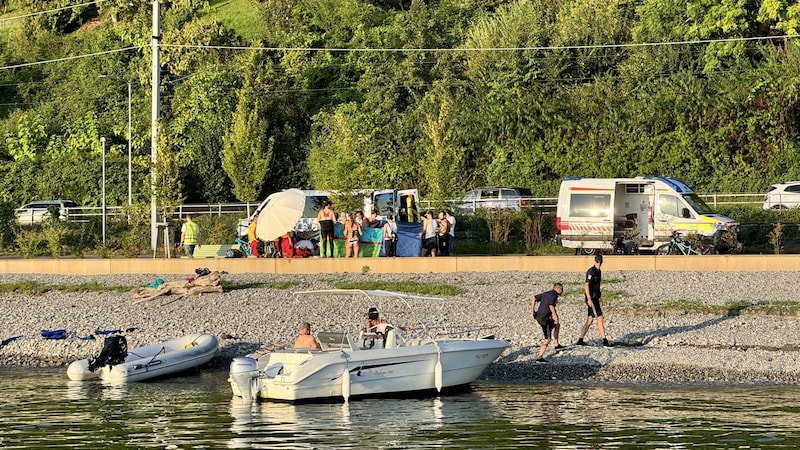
(143, 363)
(331, 375)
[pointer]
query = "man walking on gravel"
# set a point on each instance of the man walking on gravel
(190, 236)
(547, 317)
(591, 291)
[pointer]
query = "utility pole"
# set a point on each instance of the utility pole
(130, 151)
(156, 82)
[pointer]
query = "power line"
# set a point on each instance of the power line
(39, 13)
(70, 58)
(481, 49)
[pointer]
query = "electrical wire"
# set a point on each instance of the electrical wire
(70, 58)
(39, 13)
(481, 49)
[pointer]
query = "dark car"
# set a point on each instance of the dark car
(494, 197)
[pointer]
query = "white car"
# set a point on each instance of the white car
(783, 195)
(35, 212)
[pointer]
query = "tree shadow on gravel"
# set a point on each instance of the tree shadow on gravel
(641, 338)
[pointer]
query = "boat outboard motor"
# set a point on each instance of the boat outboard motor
(243, 377)
(115, 350)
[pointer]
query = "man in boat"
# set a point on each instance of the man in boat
(306, 339)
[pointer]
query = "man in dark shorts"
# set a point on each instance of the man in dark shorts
(547, 317)
(325, 218)
(591, 292)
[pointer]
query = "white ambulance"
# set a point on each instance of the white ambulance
(593, 213)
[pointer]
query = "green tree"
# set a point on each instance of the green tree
(203, 106)
(167, 185)
(248, 148)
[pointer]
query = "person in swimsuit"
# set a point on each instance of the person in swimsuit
(326, 217)
(306, 339)
(352, 232)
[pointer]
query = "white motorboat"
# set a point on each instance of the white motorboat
(117, 364)
(380, 361)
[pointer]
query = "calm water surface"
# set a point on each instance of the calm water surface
(41, 408)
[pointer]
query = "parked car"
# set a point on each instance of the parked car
(783, 195)
(494, 197)
(36, 212)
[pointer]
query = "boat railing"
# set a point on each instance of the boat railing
(461, 332)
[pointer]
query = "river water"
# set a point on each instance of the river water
(41, 408)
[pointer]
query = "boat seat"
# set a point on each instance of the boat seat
(391, 339)
(352, 342)
(332, 340)
(274, 370)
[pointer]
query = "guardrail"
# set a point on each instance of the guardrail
(84, 213)
(245, 209)
(550, 203)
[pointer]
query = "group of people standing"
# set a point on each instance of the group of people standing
(354, 225)
(438, 234)
(546, 314)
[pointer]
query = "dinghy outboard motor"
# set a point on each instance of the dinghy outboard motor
(243, 377)
(115, 350)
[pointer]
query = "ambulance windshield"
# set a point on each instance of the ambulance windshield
(698, 204)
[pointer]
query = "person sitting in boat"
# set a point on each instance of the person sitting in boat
(373, 319)
(306, 339)
(376, 324)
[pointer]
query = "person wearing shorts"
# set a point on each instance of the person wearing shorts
(326, 217)
(547, 317)
(591, 292)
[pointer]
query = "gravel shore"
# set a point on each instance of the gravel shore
(654, 341)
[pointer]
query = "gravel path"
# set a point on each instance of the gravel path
(654, 340)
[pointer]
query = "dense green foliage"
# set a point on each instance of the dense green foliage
(437, 95)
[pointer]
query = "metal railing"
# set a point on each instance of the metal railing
(245, 209)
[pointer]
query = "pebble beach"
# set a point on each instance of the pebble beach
(666, 326)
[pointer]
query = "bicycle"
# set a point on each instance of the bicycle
(679, 246)
(244, 247)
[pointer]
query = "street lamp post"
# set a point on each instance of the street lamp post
(130, 137)
(130, 150)
(103, 142)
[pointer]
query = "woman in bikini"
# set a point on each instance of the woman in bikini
(352, 231)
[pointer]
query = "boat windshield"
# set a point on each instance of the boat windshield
(698, 204)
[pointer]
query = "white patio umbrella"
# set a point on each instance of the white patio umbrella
(280, 215)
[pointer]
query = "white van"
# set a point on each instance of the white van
(398, 203)
(594, 212)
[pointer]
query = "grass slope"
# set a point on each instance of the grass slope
(238, 15)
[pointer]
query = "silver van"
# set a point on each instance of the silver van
(494, 197)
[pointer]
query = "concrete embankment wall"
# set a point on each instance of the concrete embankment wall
(97, 266)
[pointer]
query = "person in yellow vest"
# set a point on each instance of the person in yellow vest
(190, 236)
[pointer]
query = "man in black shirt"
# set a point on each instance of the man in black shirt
(591, 290)
(547, 317)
